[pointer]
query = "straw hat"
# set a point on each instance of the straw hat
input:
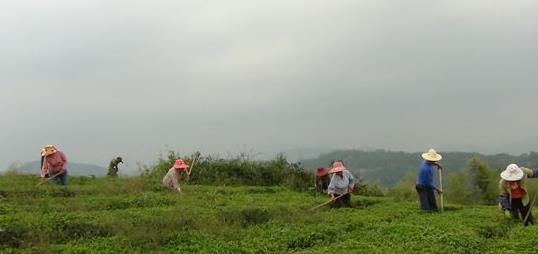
(180, 164)
(512, 173)
(432, 155)
(321, 172)
(48, 150)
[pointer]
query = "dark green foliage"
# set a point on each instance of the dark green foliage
(129, 216)
(405, 189)
(246, 217)
(237, 171)
(369, 190)
(389, 167)
(477, 184)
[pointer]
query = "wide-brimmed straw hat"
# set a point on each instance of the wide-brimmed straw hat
(48, 150)
(512, 173)
(180, 164)
(432, 155)
(321, 172)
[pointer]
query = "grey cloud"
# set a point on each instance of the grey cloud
(137, 77)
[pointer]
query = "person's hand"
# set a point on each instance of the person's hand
(507, 214)
(439, 192)
(439, 166)
(332, 196)
(349, 189)
(178, 189)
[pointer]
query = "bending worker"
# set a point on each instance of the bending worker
(514, 197)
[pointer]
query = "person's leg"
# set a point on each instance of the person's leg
(337, 203)
(347, 200)
(63, 180)
(422, 198)
(515, 209)
(524, 211)
(432, 203)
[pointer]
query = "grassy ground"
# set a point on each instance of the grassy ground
(129, 215)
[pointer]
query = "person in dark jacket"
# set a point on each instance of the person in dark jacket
(425, 185)
(113, 167)
(322, 180)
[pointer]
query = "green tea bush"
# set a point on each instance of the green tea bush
(237, 171)
(127, 215)
(246, 217)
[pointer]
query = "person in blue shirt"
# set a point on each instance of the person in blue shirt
(425, 185)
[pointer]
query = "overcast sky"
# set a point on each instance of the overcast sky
(101, 78)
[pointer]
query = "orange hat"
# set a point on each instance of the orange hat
(180, 164)
(337, 167)
(321, 172)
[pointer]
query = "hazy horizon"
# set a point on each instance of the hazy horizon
(137, 78)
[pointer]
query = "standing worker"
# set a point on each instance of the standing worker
(322, 180)
(514, 198)
(425, 186)
(171, 179)
(341, 185)
(55, 164)
(113, 167)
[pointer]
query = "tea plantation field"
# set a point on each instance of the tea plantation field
(98, 215)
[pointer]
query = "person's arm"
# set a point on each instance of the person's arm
(175, 181)
(64, 163)
(429, 180)
(504, 197)
(332, 188)
(44, 168)
(530, 173)
(351, 184)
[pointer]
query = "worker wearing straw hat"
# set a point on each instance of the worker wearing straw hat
(171, 179)
(54, 164)
(425, 186)
(341, 185)
(514, 198)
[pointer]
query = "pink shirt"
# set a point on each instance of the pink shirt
(54, 163)
(171, 179)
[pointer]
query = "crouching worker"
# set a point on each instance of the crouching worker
(171, 179)
(514, 197)
(113, 167)
(341, 186)
(322, 180)
(55, 165)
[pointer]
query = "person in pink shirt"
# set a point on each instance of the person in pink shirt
(54, 164)
(171, 179)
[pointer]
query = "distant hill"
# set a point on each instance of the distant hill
(300, 154)
(388, 167)
(75, 169)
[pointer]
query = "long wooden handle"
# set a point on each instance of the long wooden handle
(530, 208)
(42, 182)
(441, 187)
(328, 202)
(193, 163)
